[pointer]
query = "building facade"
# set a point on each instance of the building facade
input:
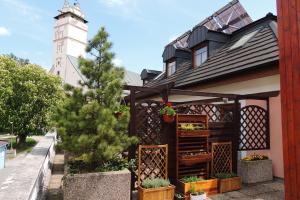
(69, 42)
(244, 61)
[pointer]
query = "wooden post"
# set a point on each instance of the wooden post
(132, 113)
(132, 132)
(268, 124)
(235, 142)
(289, 48)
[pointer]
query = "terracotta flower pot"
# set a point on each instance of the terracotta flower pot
(168, 118)
(118, 114)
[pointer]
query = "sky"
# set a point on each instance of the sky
(139, 29)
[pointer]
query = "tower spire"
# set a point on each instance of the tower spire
(66, 3)
(77, 4)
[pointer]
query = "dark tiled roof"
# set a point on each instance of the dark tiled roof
(260, 50)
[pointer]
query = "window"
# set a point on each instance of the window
(58, 72)
(200, 56)
(60, 47)
(58, 62)
(243, 40)
(171, 67)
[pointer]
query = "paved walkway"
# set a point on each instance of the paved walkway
(19, 176)
(264, 191)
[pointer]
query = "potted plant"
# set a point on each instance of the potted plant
(157, 188)
(122, 109)
(255, 168)
(193, 126)
(196, 195)
(191, 158)
(168, 113)
(228, 182)
(209, 186)
(179, 196)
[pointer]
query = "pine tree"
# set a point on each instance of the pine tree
(86, 121)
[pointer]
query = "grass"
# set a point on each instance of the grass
(27, 147)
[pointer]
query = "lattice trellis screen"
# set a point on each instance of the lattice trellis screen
(148, 122)
(215, 113)
(221, 157)
(254, 128)
(153, 162)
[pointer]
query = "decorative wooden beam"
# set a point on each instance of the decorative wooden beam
(289, 62)
(202, 101)
(259, 96)
(203, 94)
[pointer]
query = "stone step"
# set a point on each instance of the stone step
(55, 186)
(55, 194)
(56, 181)
(58, 163)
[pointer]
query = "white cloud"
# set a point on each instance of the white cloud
(4, 31)
(127, 9)
(117, 61)
(32, 13)
(118, 3)
(113, 3)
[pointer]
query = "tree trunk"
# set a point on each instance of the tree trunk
(21, 140)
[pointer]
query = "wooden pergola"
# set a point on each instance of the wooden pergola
(289, 45)
(138, 93)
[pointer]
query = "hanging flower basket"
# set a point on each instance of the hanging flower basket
(168, 113)
(168, 118)
(118, 114)
(122, 109)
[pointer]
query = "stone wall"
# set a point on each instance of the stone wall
(104, 186)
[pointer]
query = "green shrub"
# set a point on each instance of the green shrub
(155, 183)
(27, 146)
(225, 175)
(189, 179)
(115, 164)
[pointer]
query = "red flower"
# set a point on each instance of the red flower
(169, 104)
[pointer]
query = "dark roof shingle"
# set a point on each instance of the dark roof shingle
(260, 50)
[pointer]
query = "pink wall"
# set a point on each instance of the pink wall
(276, 152)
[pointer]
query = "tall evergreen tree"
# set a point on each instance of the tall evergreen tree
(86, 121)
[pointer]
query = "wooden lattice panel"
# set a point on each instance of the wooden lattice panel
(221, 157)
(215, 112)
(148, 122)
(153, 162)
(254, 128)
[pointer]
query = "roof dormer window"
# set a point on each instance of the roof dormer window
(171, 68)
(200, 56)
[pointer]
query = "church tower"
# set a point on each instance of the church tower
(70, 41)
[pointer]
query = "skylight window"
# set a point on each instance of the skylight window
(243, 40)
